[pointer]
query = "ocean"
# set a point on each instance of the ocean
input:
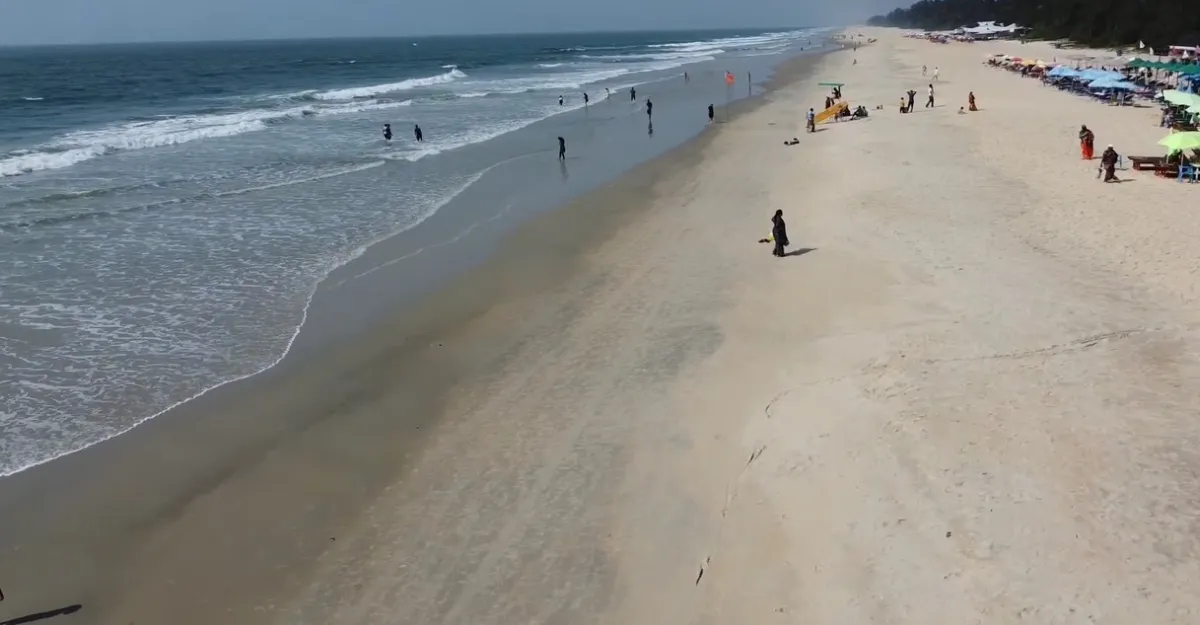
(167, 211)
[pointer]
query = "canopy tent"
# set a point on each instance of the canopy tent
(831, 84)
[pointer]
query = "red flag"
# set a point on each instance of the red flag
(728, 78)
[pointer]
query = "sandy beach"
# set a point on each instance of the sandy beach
(966, 396)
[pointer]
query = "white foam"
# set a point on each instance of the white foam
(663, 56)
(38, 161)
(404, 85)
(79, 146)
(18, 465)
(31, 99)
(550, 65)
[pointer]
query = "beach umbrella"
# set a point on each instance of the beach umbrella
(1178, 97)
(1111, 83)
(1181, 141)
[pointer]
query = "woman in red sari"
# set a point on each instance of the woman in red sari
(1087, 141)
(971, 101)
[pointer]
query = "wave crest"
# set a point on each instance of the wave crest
(404, 85)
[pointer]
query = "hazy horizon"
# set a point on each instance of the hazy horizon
(402, 36)
(67, 22)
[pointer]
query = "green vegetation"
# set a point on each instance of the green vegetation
(1094, 22)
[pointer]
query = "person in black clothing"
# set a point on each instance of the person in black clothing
(632, 94)
(779, 233)
(912, 97)
(562, 149)
(1108, 162)
(649, 108)
(418, 134)
(387, 132)
(710, 113)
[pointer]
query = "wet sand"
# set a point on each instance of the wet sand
(234, 507)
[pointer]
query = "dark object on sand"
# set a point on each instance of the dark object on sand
(794, 141)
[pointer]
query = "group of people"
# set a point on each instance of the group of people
(1108, 158)
(417, 133)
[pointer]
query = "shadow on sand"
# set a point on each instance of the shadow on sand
(29, 618)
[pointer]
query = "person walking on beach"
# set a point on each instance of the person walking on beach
(1108, 162)
(387, 132)
(923, 69)
(710, 113)
(649, 109)
(562, 149)
(1087, 143)
(929, 102)
(632, 94)
(686, 78)
(586, 99)
(810, 120)
(779, 234)
(912, 99)
(935, 73)
(971, 101)
(418, 134)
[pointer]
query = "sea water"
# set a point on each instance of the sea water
(166, 211)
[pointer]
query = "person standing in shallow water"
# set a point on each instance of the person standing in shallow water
(420, 136)
(387, 132)
(779, 234)
(649, 109)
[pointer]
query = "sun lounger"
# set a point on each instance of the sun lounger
(1148, 162)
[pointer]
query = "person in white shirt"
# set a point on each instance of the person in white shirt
(935, 73)
(929, 102)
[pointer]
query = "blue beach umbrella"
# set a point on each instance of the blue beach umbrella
(1096, 74)
(1111, 83)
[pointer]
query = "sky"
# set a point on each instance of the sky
(33, 22)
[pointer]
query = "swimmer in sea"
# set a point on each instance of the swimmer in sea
(418, 134)
(560, 100)
(387, 132)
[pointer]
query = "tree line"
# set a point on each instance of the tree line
(1158, 23)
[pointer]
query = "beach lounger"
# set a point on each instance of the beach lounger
(1147, 162)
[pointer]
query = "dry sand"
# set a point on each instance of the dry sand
(967, 397)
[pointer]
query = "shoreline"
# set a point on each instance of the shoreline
(198, 457)
(383, 251)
